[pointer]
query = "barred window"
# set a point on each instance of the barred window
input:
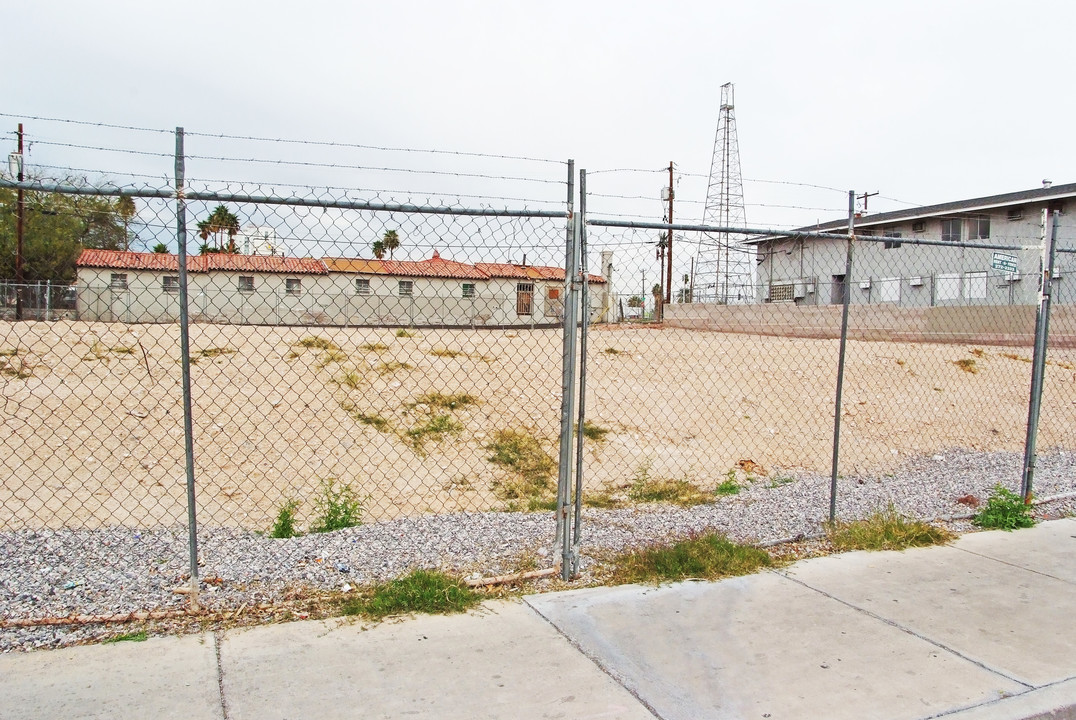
(362, 286)
(118, 281)
(246, 283)
(407, 288)
(293, 286)
(468, 290)
(170, 283)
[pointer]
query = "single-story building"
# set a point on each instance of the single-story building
(276, 290)
(800, 270)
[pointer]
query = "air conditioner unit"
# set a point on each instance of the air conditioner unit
(919, 226)
(915, 282)
(1015, 214)
(865, 285)
(800, 291)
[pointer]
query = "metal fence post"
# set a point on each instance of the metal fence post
(1038, 361)
(584, 323)
(567, 397)
(185, 364)
(845, 300)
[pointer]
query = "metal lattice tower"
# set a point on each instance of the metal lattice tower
(726, 268)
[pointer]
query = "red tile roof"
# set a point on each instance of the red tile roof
(435, 267)
(121, 260)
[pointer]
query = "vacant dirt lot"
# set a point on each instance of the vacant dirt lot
(92, 430)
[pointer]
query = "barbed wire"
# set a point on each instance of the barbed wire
(85, 122)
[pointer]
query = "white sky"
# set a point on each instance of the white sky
(923, 101)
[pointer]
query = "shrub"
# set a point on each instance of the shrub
(645, 488)
(1005, 510)
(336, 507)
(284, 526)
(313, 341)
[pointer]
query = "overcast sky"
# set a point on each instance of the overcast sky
(921, 101)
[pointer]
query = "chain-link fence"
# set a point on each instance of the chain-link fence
(443, 376)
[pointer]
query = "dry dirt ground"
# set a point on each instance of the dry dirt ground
(92, 415)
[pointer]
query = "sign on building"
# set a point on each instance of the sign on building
(1003, 262)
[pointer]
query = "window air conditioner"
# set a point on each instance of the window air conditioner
(915, 282)
(919, 226)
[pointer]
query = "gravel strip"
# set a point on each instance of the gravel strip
(56, 573)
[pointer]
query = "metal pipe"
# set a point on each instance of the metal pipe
(583, 327)
(1038, 362)
(185, 366)
(20, 213)
(840, 358)
(564, 467)
(115, 190)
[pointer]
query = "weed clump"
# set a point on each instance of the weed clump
(392, 366)
(594, 432)
(531, 487)
(374, 347)
(420, 591)
(645, 488)
(139, 636)
(967, 365)
(709, 557)
(612, 351)
(449, 401)
(434, 428)
(728, 487)
(351, 378)
(314, 341)
(1005, 510)
(284, 525)
(336, 507)
(885, 530)
(442, 352)
(404, 333)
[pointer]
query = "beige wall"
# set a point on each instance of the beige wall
(987, 325)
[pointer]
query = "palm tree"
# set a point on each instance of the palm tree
(125, 208)
(391, 241)
(379, 249)
(220, 221)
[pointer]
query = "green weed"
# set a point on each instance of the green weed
(441, 352)
(967, 365)
(336, 507)
(645, 488)
(612, 351)
(404, 333)
(392, 366)
(710, 557)
(284, 526)
(140, 636)
(314, 341)
(594, 432)
(728, 487)
(350, 378)
(885, 530)
(441, 400)
(531, 486)
(332, 356)
(374, 347)
(780, 480)
(1005, 510)
(433, 429)
(420, 591)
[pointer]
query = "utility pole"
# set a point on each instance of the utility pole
(865, 197)
(20, 212)
(668, 241)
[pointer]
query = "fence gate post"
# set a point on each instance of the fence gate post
(845, 300)
(185, 365)
(1038, 361)
(581, 279)
(567, 396)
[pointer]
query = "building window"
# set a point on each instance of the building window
(246, 283)
(407, 288)
(170, 283)
(362, 286)
(468, 290)
(524, 298)
(891, 244)
(950, 228)
(293, 286)
(974, 285)
(118, 281)
(919, 226)
(979, 228)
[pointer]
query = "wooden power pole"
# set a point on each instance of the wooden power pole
(668, 242)
(20, 212)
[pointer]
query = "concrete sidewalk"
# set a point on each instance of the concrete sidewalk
(983, 629)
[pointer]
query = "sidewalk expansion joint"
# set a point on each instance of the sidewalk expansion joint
(1010, 696)
(615, 677)
(1014, 565)
(907, 630)
(218, 640)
